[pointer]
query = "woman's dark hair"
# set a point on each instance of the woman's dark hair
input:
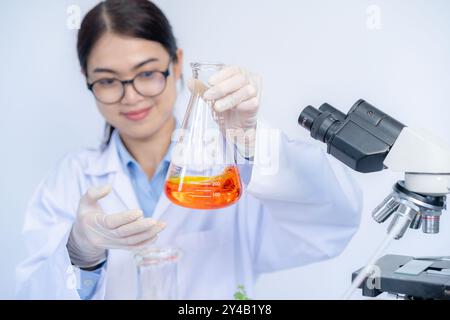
(134, 18)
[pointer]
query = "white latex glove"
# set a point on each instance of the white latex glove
(236, 93)
(94, 231)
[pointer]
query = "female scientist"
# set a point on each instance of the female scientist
(98, 206)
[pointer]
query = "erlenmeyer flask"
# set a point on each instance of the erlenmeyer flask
(203, 173)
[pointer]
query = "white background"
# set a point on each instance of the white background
(308, 52)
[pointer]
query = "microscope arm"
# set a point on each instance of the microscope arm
(368, 140)
(424, 159)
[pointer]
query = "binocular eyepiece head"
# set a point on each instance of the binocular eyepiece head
(361, 139)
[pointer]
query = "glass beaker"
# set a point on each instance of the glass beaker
(203, 173)
(157, 273)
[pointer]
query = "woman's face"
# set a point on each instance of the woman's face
(119, 57)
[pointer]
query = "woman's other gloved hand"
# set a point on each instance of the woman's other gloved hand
(94, 231)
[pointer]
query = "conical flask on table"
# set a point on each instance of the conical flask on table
(203, 173)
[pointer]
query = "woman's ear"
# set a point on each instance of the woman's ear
(178, 66)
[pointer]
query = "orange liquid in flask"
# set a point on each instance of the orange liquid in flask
(205, 192)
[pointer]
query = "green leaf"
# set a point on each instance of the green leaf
(241, 294)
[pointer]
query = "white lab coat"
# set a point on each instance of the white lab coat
(305, 212)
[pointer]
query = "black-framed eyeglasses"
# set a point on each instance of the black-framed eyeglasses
(147, 84)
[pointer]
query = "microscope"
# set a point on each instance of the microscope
(368, 140)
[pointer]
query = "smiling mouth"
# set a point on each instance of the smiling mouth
(137, 115)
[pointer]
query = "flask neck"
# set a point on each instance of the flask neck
(202, 71)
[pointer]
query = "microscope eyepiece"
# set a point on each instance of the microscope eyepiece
(361, 139)
(307, 117)
(319, 122)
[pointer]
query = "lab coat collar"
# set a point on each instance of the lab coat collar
(108, 162)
